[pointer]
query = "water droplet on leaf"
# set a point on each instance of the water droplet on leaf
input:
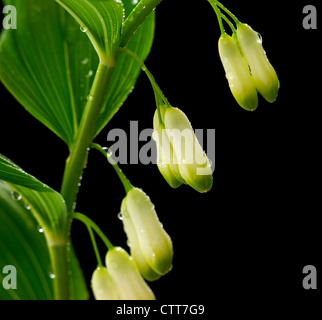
(90, 73)
(15, 195)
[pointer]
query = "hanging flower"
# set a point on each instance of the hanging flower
(178, 145)
(263, 74)
(151, 247)
(237, 73)
(129, 282)
(166, 158)
(103, 285)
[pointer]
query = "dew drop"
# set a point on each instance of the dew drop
(51, 275)
(85, 61)
(90, 98)
(90, 73)
(120, 216)
(128, 243)
(259, 40)
(27, 206)
(41, 230)
(16, 196)
(83, 29)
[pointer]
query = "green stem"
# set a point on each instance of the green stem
(60, 267)
(218, 14)
(77, 160)
(97, 254)
(125, 181)
(227, 11)
(229, 24)
(136, 17)
(159, 96)
(88, 222)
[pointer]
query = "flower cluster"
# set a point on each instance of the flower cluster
(121, 279)
(151, 253)
(181, 160)
(180, 156)
(247, 68)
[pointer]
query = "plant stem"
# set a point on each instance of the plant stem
(60, 267)
(227, 11)
(125, 181)
(76, 162)
(97, 254)
(159, 96)
(219, 15)
(136, 17)
(88, 222)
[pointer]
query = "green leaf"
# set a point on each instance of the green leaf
(102, 21)
(11, 173)
(47, 205)
(24, 247)
(48, 64)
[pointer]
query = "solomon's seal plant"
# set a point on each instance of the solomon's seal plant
(71, 64)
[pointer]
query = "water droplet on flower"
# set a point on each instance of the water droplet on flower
(41, 230)
(16, 196)
(90, 98)
(120, 216)
(83, 29)
(27, 206)
(259, 40)
(128, 243)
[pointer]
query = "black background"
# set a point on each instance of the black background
(252, 234)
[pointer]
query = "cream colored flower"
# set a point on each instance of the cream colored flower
(151, 247)
(103, 285)
(264, 75)
(129, 282)
(183, 159)
(237, 73)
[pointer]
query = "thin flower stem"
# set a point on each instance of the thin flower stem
(97, 254)
(125, 181)
(90, 223)
(229, 24)
(219, 16)
(227, 11)
(159, 96)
